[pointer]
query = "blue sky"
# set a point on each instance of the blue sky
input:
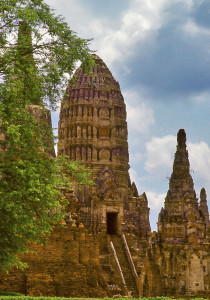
(159, 51)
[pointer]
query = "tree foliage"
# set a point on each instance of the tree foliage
(36, 50)
(29, 181)
(55, 48)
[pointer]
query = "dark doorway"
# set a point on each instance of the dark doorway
(112, 227)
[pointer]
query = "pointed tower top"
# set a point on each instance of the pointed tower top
(181, 203)
(203, 195)
(181, 138)
(181, 168)
(134, 190)
(95, 56)
(181, 187)
(204, 206)
(98, 85)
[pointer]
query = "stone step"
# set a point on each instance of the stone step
(127, 273)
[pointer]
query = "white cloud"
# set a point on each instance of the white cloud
(160, 153)
(155, 201)
(136, 157)
(160, 157)
(199, 156)
(133, 175)
(140, 116)
(201, 97)
(137, 24)
(193, 29)
(56, 149)
(116, 36)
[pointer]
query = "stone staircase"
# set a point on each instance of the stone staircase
(104, 258)
(124, 264)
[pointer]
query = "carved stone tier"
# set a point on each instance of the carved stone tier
(181, 216)
(93, 125)
(93, 129)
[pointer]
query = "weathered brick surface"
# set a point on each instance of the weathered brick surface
(172, 262)
(178, 262)
(67, 266)
(93, 129)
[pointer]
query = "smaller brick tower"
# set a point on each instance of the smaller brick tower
(177, 261)
(181, 216)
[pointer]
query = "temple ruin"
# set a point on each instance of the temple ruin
(177, 262)
(93, 129)
(105, 245)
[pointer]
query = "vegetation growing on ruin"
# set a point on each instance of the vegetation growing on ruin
(45, 51)
(37, 49)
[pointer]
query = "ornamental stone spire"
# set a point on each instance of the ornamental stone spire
(203, 205)
(180, 216)
(181, 188)
(181, 180)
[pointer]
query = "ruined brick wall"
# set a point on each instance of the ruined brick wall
(176, 270)
(68, 265)
(179, 252)
(136, 217)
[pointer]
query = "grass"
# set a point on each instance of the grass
(16, 296)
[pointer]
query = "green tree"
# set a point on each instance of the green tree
(37, 51)
(55, 49)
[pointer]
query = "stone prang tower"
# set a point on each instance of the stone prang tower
(93, 129)
(177, 263)
(181, 216)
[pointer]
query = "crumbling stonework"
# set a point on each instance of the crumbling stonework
(105, 246)
(181, 216)
(93, 129)
(176, 269)
(178, 261)
(68, 265)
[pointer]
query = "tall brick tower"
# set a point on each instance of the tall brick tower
(93, 129)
